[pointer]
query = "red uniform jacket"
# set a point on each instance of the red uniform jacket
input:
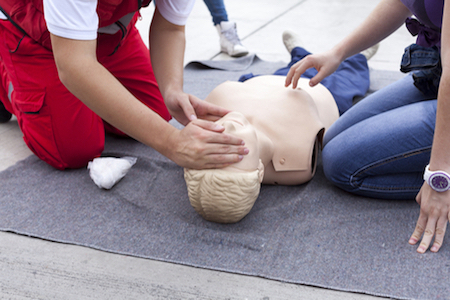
(28, 15)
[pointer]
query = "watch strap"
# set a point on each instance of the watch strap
(429, 175)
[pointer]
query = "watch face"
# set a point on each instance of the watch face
(439, 182)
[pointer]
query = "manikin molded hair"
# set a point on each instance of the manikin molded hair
(222, 196)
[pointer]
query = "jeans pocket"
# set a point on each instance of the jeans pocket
(426, 63)
(419, 58)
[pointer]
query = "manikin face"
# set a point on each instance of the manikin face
(237, 125)
(227, 195)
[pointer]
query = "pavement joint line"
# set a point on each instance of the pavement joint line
(275, 18)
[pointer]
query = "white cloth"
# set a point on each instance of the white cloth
(78, 19)
(107, 171)
(72, 19)
(175, 11)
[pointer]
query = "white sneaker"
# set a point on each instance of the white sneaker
(291, 40)
(229, 40)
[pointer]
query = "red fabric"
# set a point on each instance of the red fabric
(4, 86)
(29, 15)
(57, 126)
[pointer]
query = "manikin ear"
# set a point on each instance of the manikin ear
(261, 171)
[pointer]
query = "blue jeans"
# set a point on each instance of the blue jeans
(427, 62)
(217, 10)
(379, 148)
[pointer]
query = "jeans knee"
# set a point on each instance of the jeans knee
(335, 166)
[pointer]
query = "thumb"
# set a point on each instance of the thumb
(188, 110)
(208, 125)
(319, 77)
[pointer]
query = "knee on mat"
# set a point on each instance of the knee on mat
(69, 155)
(335, 166)
(81, 159)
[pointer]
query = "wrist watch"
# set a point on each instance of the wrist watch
(437, 180)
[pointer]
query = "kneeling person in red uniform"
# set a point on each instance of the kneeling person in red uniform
(71, 69)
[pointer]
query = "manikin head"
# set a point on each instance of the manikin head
(227, 195)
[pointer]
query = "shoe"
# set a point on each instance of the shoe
(291, 40)
(229, 40)
(370, 52)
(5, 115)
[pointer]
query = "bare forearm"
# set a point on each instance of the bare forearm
(89, 81)
(440, 158)
(167, 45)
(387, 17)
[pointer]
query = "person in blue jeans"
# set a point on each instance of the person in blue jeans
(229, 39)
(350, 81)
(394, 143)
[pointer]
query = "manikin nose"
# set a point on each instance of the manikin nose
(229, 126)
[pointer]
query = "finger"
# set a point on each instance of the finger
(297, 70)
(440, 233)
(218, 161)
(218, 137)
(208, 125)
(316, 80)
(222, 146)
(427, 235)
(318, 77)
(218, 143)
(289, 75)
(207, 110)
(418, 231)
(419, 196)
(297, 74)
(225, 149)
(188, 110)
(291, 72)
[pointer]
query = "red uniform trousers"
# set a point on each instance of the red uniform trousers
(57, 126)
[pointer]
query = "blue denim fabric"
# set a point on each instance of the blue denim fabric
(427, 62)
(379, 148)
(350, 80)
(217, 10)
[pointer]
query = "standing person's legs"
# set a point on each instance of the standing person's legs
(217, 10)
(230, 42)
(56, 126)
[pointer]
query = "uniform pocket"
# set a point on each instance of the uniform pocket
(28, 100)
(35, 122)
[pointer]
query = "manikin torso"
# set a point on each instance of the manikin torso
(289, 124)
